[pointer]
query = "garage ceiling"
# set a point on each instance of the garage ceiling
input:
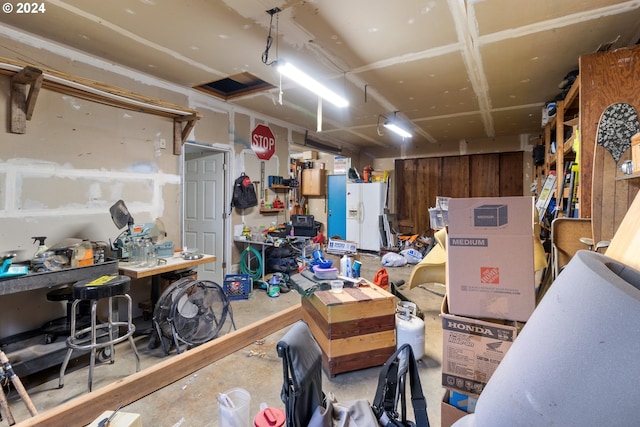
(451, 70)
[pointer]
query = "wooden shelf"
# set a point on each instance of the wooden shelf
(625, 177)
(566, 115)
(24, 74)
(280, 187)
(271, 211)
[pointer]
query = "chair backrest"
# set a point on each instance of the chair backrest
(565, 240)
(302, 369)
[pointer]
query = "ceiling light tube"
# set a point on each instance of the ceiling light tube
(310, 83)
(397, 129)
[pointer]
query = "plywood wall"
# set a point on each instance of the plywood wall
(420, 181)
(606, 78)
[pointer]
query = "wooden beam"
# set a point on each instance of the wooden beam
(33, 77)
(84, 409)
(23, 103)
(18, 109)
(177, 137)
(93, 91)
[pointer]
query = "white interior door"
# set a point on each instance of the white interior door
(204, 205)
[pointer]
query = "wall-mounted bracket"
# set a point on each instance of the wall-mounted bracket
(23, 102)
(181, 134)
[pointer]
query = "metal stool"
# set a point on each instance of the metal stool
(61, 327)
(93, 290)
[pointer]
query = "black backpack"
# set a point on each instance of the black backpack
(391, 391)
(244, 193)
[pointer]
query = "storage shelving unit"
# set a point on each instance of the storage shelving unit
(567, 112)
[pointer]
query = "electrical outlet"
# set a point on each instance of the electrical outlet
(163, 143)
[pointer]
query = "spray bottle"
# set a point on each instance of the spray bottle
(41, 246)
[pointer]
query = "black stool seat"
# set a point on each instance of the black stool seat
(64, 293)
(62, 326)
(102, 287)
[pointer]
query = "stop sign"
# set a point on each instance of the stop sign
(263, 143)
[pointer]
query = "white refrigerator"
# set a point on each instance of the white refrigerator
(365, 203)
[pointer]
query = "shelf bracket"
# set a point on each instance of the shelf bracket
(23, 103)
(181, 134)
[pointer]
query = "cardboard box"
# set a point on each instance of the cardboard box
(341, 247)
(310, 155)
(449, 414)
(462, 401)
(472, 349)
(490, 266)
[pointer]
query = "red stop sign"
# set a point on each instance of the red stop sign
(263, 143)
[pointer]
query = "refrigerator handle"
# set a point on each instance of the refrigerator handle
(361, 210)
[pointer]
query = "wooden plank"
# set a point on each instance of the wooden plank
(560, 182)
(456, 183)
(352, 344)
(90, 88)
(340, 330)
(355, 361)
(511, 166)
(346, 312)
(29, 76)
(98, 92)
(371, 325)
(605, 78)
(625, 245)
(18, 109)
(566, 234)
(484, 176)
(177, 137)
(84, 409)
(173, 264)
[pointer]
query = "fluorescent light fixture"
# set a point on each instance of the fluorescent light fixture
(397, 129)
(312, 84)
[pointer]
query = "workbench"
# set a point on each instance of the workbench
(49, 279)
(174, 263)
(29, 351)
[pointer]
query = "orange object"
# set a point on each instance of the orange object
(381, 279)
(319, 238)
(367, 173)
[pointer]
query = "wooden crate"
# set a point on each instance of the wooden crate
(355, 328)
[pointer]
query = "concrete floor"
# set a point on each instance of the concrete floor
(257, 368)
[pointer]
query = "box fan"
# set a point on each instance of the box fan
(191, 312)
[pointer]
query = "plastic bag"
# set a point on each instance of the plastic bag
(392, 259)
(413, 256)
